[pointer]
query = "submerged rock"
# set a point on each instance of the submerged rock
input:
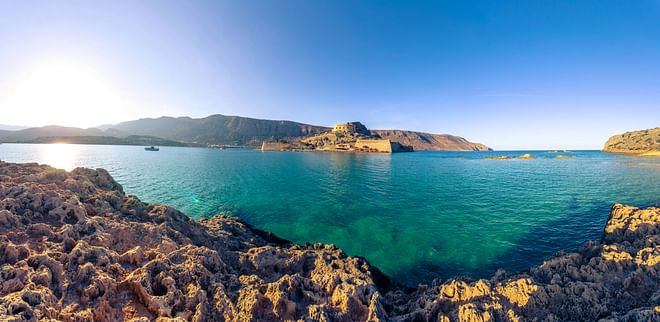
(74, 247)
(501, 157)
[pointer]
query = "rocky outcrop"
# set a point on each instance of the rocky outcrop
(427, 141)
(614, 280)
(634, 142)
(74, 247)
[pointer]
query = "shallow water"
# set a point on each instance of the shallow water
(416, 216)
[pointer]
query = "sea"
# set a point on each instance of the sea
(415, 216)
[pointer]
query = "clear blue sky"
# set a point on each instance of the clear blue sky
(510, 74)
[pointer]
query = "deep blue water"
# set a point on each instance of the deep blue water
(416, 216)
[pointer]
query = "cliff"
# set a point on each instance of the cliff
(74, 247)
(427, 141)
(634, 141)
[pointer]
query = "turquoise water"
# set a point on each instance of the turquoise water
(416, 216)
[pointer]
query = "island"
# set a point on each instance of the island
(345, 137)
(75, 247)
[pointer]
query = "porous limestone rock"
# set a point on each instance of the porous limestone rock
(74, 247)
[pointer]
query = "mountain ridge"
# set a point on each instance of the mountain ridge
(218, 129)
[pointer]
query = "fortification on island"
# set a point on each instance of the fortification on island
(343, 137)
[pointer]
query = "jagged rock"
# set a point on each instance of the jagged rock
(74, 247)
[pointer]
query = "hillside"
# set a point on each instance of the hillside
(427, 141)
(218, 129)
(4, 127)
(223, 130)
(634, 141)
(109, 140)
(33, 133)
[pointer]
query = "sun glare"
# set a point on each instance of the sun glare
(61, 155)
(61, 93)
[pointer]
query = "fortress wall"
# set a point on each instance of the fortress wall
(379, 145)
(274, 146)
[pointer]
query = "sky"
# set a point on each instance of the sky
(509, 74)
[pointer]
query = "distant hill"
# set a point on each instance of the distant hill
(218, 129)
(46, 131)
(109, 140)
(4, 127)
(428, 141)
(634, 141)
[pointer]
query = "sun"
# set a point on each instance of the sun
(61, 93)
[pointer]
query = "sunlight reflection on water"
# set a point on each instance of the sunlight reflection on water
(61, 156)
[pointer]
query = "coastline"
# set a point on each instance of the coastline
(650, 154)
(78, 247)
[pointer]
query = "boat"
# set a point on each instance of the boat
(151, 148)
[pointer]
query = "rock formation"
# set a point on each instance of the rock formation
(74, 247)
(634, 141)
(427, 141)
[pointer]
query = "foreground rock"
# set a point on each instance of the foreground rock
(74, 247)
(643, 141)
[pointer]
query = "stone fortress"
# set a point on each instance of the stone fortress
(344, 137)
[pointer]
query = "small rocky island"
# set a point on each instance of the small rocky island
(345, 137)
(75, 247)
(640, 142)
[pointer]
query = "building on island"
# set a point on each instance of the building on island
(347, 127)
(355, 128)
(380, 145)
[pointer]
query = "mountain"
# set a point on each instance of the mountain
(428, 141)
(109, 140)
(634, 141)
(47, 131)
(4, 127)
(218, 129)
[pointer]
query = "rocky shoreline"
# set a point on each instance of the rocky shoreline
(645, 142)
(75, 247)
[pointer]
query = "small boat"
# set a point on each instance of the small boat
(151, 148)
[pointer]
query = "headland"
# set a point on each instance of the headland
(643, 142)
